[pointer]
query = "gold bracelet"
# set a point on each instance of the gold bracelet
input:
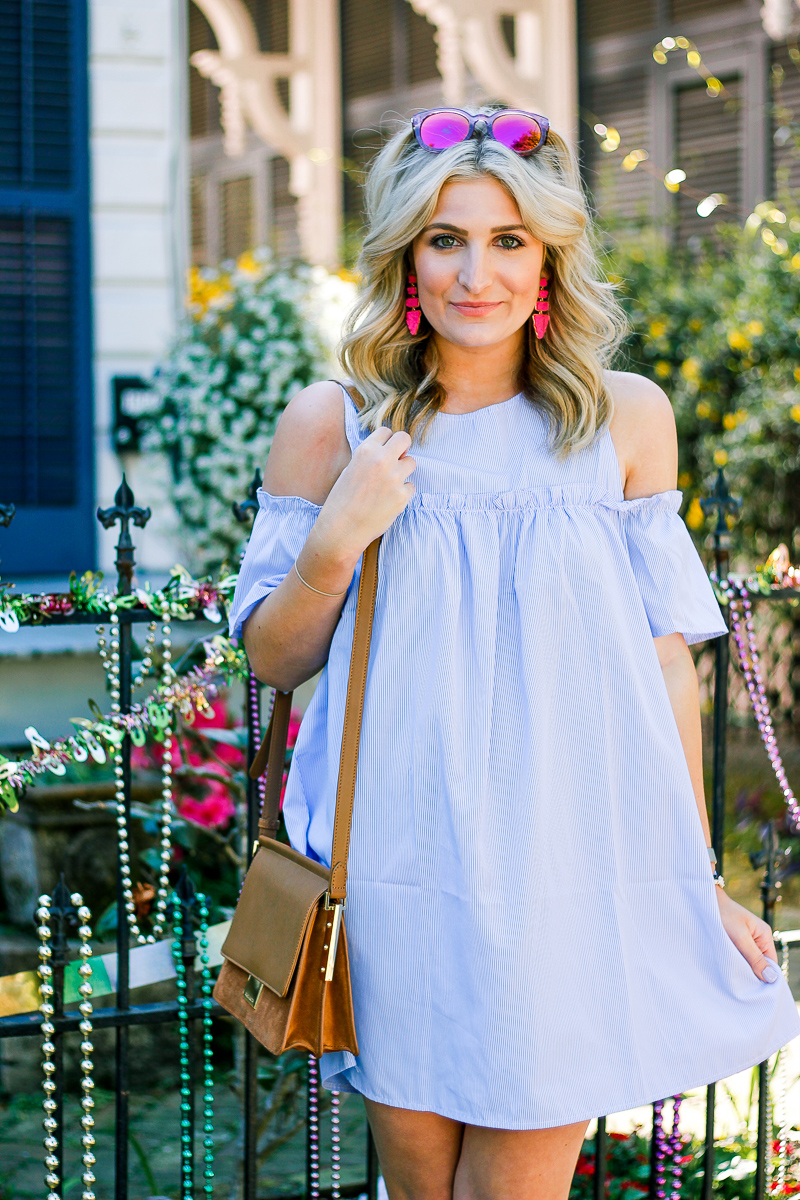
(333, 595)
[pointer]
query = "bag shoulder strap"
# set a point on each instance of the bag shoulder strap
(272, 752)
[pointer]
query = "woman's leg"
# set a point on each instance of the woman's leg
(427, 1157)
(505, 1164)
(418, 1151)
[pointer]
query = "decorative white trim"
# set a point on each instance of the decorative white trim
(309, 135)
(542, 76)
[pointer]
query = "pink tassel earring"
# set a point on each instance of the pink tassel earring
(412, 306)
(541, 311)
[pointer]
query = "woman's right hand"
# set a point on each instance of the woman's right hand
(370, 493)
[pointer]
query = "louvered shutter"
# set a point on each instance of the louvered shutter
(604, 18)
(45, 364)
(367, 27)
(204, 114)
(785, 112)
(685, 10)
(619, 195)
(284, 211)
(421, 48)
(708, 140)
(236, 209)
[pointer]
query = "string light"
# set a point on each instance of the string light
(694, 59)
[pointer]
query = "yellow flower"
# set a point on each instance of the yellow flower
(684, 479)
(754, 328)
(248, 264)
(690, 368)
(737, 340)
(797, 374)
(695, 517)
(703, 410)
(662, 369)
(695, 324)
(658, 329)
(720, 457)
(794, 412)
(729, 421)
(205, 289)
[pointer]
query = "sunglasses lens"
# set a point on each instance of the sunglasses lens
(517, 131)
(443, 129)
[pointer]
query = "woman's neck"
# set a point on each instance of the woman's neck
(476, 376)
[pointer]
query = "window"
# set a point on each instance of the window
(46, 457)
(708, 139)
(620, 195)
(237, 216)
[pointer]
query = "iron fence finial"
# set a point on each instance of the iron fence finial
(723, 502)
(250, 505)
(124, 510)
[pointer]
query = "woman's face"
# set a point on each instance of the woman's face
(477, 266)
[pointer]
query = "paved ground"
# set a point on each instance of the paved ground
(154, 1150)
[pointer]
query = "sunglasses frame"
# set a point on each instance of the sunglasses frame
(488, 120)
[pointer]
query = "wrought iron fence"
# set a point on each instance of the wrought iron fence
(189, 1008)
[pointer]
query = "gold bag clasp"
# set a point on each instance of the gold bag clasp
(252, 990)
(333, 940)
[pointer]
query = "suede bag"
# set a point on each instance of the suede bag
(286, 974)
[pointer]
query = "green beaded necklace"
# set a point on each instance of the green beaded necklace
(187, 1149)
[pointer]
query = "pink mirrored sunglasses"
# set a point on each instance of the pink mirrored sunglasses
(437, 129)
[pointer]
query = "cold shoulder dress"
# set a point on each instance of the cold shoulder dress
(533, 929)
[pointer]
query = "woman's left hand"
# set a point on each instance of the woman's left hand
(751, 936)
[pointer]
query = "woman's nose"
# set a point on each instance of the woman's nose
(474, 274)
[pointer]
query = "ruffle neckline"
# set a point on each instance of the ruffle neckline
(558, 496)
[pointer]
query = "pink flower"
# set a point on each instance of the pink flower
(213, 811)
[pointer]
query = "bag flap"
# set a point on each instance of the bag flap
(280, 894)
(278, 897)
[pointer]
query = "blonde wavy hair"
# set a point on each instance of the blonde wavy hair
(395, 374)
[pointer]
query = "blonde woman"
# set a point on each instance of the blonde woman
(536, 934)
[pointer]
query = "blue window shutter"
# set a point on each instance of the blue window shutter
(46, 466)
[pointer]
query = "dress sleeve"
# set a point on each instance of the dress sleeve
(280, 530)
(673, 583)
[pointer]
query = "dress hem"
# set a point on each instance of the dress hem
(496, 1121)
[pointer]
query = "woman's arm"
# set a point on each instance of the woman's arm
(288, 636)
(643, 431)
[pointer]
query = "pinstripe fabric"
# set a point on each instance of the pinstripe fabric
(533, 930)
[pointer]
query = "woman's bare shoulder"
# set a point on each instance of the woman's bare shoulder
(643, 431)
(310, 449)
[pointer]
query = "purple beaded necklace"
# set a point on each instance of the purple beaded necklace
(668, 1150)
(744, 636)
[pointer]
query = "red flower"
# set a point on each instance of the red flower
(619, 1137)
(214, 810)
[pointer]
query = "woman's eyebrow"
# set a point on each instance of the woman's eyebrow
(465, 232)
(444, 225)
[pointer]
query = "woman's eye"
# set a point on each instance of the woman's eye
(444, 241)
(509, 242)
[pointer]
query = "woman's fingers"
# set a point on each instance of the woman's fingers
(753, 939)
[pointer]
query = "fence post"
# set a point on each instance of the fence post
(123, 510)
(252, 703)
(769, 857)
(600, 1153)
(722, 502)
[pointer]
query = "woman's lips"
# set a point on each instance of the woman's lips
(475, 310)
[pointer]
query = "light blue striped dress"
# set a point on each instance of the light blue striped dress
(533, 928)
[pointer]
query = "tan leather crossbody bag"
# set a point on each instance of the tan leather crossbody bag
(286, 974)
